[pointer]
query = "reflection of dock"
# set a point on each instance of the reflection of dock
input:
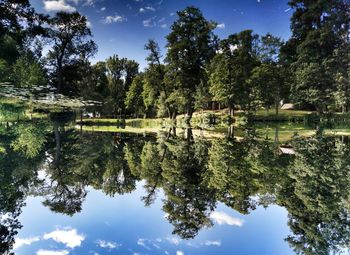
(287, 150)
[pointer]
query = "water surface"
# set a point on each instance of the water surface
(66, 190)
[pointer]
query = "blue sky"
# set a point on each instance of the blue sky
(123, 26)
(122, 225)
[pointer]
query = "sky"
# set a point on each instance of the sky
(123, 26)
(121, 225)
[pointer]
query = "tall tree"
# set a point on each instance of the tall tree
(155, 74)
(230, 69)
(18, 21)
(120, 73)
(268, 79)
(318, 28)
(191, 44)
(71, 42)
(134, 100)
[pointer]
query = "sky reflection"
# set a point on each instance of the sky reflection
(123, 225)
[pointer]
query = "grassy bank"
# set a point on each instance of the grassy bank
(219, 117)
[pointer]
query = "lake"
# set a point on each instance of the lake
(257, 189)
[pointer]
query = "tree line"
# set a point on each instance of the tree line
(198, 71)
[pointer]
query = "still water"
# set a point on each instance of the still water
(66, 190)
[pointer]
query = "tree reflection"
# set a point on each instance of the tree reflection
(245, 172)
(316, 195)
(17, 176)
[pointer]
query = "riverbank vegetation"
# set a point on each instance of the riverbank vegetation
(197, 71)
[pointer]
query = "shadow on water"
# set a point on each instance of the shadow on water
(307, 175)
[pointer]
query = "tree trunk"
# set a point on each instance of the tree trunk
(231, 110)
(276, 107)
(59, 75)
(189, 134)
(231, 131)
(58, 143)
(189, 112)
(276, 135)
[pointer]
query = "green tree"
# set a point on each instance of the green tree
(70, 36)
(120, 74)
(28, 71)
(316, 195)
(191, 44)
(31, 139)
(134, 99)
(318, 29)
(268, 79)
(188, 201)
(155, 86)
(230, 70)
(4, 71)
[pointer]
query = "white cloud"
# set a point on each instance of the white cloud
(221, 25)
(149, 22)
(212, 243)
(233, 47)
(103, 9)
(180, 253)
(69, 237)
(108, 245)
(85, 2)
(287, 10)
(222, 218)
(142, 242)
(57, 5)
(172, 14)
(164, 26)
(173, 240)
(147, 8)
(19, 242)
(114, 19)
(89, 2)
(47, 252)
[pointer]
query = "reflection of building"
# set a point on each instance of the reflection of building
(287, 150)
(287, 107)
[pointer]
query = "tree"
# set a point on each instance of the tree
(318, 29)
(268, 78)
(188, 201)
(70, 35)
(18, 22)
(316, 194)
(134, 99)
(30, 140)
(156, 87)
(230, 69)
(120, 74)
(4, 70)
(28, 71)
(191, 44)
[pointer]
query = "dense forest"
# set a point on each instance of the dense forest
(244, 71)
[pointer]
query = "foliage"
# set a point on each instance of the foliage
(70, 38)
(231, 68)
(191, 44)
(28, 72)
